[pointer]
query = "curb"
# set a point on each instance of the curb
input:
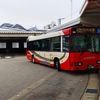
(92, 89)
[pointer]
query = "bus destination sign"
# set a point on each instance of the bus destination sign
(86, 30)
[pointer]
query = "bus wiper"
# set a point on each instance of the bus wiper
(83, 49)
(95, 49)
(96, 52)
(92, 51)
(82, 53)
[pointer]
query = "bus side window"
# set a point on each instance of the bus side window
(46, 45)
(65, 43)
(42, 45)
(28, 46)
(32, 45)
(37, 45)
(56, 44)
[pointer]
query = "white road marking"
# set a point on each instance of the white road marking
(32, 87)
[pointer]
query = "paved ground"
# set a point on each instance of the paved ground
(18, 73)
(22, 80)
(61, 86)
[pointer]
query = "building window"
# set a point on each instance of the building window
(2, 45)
(15, 45)
(25, 45)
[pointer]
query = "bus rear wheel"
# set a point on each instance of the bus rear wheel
(57, 64)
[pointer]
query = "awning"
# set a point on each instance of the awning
(90, 13)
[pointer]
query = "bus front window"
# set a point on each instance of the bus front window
(78, 43)
(86, 43)
(93, 43)
(96, 43)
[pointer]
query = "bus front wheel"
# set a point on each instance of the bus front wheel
(57, 64)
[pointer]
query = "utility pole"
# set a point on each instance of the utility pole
(71, 9)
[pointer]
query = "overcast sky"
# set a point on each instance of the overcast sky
(29, 13)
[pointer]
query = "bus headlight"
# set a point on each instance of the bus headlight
(77, 63)
(98, 62)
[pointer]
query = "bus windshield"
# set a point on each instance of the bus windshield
(85, 43)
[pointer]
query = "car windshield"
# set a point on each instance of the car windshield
(84, 43)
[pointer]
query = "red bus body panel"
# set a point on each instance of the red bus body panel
(29, 55)
(65, 65)
(87, 59)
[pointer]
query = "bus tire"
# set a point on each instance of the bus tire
(99, 71)
(33, 59)
(57, 64)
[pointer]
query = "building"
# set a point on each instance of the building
(14, 40)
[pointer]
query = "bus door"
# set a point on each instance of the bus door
(45, 43)
(65, 52)
(55, 49)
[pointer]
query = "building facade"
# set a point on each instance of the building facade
(12, 41)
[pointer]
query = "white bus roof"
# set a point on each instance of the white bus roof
(43, 36)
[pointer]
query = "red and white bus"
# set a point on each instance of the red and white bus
(75, 48)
